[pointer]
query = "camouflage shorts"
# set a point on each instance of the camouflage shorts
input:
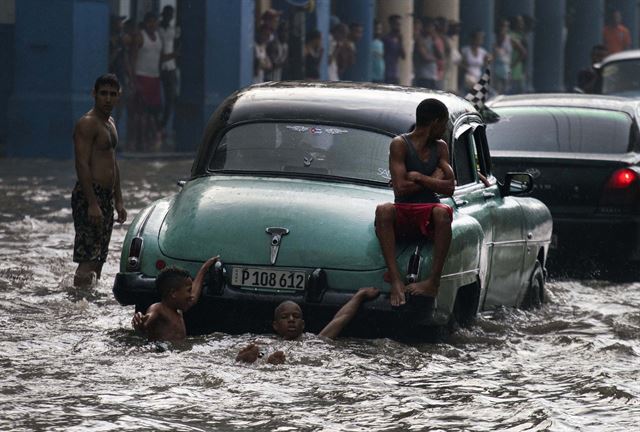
(92, 241)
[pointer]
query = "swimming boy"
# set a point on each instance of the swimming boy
(288, 323)
(178, 292)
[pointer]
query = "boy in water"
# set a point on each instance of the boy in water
(288, 323)
(178, 292)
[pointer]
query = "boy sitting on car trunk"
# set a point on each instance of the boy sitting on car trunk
(419, 166)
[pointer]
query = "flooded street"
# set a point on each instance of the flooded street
(70, 361)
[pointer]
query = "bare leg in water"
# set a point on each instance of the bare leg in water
(385, 219)
(441, 241)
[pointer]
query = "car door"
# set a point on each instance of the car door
(508, 243)
(469, 196)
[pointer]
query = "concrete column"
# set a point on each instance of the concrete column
(404, 8)
(60, 49)
(361, 12)
(217, 59)
(323, 15)
(550, 38)
(585, 31)
(477, 15)
(629, 11)
(449, 9)
(7, 25)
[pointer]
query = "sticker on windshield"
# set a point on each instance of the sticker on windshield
(298, 128)
(384, 173)
(334, 131)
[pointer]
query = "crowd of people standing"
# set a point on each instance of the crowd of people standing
(143, 57)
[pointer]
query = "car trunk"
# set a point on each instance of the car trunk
(330, 224)
(568, 183)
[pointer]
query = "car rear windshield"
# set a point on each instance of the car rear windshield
(293, 149)
(553, 129)
(621, 77)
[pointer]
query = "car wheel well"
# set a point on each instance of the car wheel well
(534, 296)
(466, 304)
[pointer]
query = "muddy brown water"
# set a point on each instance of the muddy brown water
(70, 362)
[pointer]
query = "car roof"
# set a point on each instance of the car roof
(568, 100)
(388, 108)
(621, 56)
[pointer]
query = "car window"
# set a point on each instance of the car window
(482, 150)
(559, 129)
(464, 163)
(296, 148)
(621, 77)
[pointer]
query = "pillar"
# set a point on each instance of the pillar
(548, 57)
(585, 31)
(449, 9)
(7, 25)
(61, 47)
(216, 60)
(477, 15)
(404, 8)
(629, 11)
(361, 12)
(323, 22)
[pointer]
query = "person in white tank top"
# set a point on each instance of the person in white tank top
(148, 97)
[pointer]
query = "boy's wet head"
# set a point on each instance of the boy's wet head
(170, 280)
(288, 321)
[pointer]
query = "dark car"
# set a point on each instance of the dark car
(583, 154)
(285, 187)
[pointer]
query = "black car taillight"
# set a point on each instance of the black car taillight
(135, 249)
(215, 279)
(317, 286)
(622, 191)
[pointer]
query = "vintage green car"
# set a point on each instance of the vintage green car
(284, 188)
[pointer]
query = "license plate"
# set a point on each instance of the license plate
(256, 277)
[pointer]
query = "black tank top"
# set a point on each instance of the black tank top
(413, 163)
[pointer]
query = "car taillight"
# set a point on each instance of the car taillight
(623, 178)
(621, 192)
(160, 264)
(135, 249)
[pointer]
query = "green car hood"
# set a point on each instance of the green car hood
(330, 224)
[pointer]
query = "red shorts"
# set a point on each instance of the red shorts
(412, 220)
(150, 92)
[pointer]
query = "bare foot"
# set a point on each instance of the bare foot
(427, 288)
(369, 293)
(397, 293)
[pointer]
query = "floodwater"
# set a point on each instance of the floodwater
(69, 360)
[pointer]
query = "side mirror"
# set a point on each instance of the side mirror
(181, 183)
(516, 184)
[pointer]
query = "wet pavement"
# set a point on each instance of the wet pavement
(69, 360)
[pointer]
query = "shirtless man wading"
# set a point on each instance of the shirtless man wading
(98, 187)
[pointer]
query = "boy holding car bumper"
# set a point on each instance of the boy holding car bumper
(288, 323)
(164, 320)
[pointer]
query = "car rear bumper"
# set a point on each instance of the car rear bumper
(237, 310)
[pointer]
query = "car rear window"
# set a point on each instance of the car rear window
(551, 129)
(621, 77)
(304, 149)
